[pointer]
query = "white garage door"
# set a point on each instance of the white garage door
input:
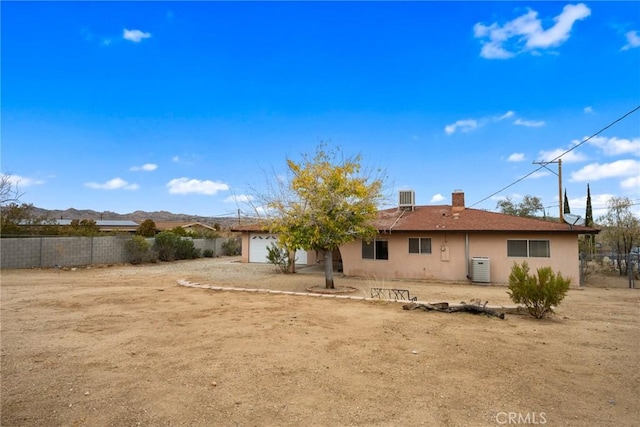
(258, 244)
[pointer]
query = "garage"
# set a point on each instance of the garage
(258, 244)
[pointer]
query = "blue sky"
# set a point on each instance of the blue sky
(124, 106)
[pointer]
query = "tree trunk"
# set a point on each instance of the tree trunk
(328, 268)
(292, 257)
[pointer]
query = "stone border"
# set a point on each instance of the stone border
(340, 290)
(186, 283)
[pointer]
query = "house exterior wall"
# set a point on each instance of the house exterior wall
(312, 256)
(447, 260)
(245, 247)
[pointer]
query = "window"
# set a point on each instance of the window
(378, 249)
(539, 248)
(528, 248)
(517, 248)
(419, 245)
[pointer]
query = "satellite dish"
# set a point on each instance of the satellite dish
(573, 219)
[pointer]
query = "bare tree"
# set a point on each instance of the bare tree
(9, 189)
(621, 230)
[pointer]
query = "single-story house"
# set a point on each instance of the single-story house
(113, 225)
(196, 227)
(453, 243)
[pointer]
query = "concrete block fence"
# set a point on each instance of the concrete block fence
(30, 252)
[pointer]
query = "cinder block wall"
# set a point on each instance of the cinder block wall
(29, 252)
(20, 253)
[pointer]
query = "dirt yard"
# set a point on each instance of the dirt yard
(126, 346)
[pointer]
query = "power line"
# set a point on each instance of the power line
(634, 203)
(619, 119)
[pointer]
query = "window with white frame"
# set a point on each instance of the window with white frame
(376, 249)
(528, 248)
(419, 245)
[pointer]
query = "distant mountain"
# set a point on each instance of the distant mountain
(138, 216)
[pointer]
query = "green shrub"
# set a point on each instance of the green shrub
(139, 250)
(185, 249)
(231, 247)
(166, 245)
(171, 247)
(279, 257)
(207, 253)
(538, 293)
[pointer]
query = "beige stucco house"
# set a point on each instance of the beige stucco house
(195, 227)
(454, 243)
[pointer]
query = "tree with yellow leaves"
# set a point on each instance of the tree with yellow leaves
(327, 202)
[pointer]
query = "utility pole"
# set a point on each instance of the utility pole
(559, 174)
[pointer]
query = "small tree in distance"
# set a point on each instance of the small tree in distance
(527, 208)
(147, 228)
(566, 209)
(621, 230)
(588, 221)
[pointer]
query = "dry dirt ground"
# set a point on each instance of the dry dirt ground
(126, 346)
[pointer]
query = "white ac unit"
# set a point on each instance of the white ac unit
(480, 270)
(407, 199)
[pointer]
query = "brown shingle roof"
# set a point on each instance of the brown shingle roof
(442, 218)
(168, 225)
(256, 226)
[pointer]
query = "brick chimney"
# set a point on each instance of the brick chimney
(457, 201)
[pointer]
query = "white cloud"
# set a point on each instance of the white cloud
(176, 159)
(463, 125)
(525, 33)
(437, 198)
(468, 125)
(147, 167)
(559, 33)
(135, 36)
(516, 157)
(633, 40)
(615, 146)
(239, 198)
(539, 174)
(632, 183)
(588, 110)
(187, 186)
(506, 115)
(23, 181)
(113, 184)
(570, 157)
(529, 123)
(597, 171)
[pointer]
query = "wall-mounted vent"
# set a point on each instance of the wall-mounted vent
(407, 200)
